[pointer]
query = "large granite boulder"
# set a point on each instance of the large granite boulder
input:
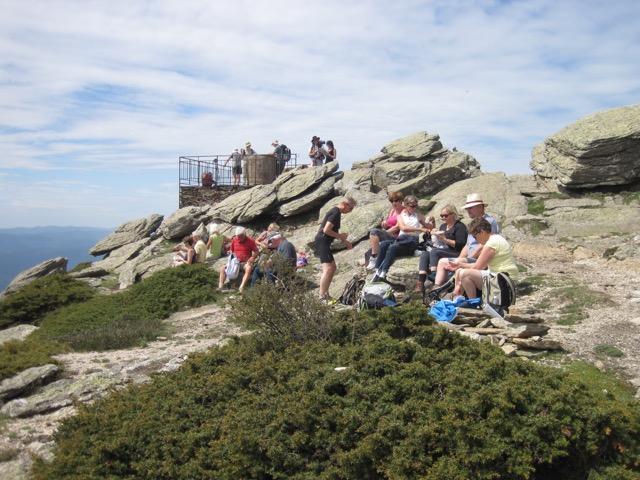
(53, 265)
(127, 233)
(115, 259)
(436, 174)
(355, 179)
(311, 199)
(246, 205)
(416, 146)
(415, 165)
(183, 221)
(27, 381)
(304, 179)
(502, 193)
(597, 150)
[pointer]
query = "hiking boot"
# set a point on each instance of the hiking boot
(419, 288)
(372, 263)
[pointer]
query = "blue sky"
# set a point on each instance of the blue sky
(99, 98)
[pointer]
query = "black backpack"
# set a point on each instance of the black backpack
(285, 153)
(351, 291)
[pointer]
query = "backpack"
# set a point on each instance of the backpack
(376, 295)
(232, 270)
(499, 291)
(351, 292)
(285, 153)
(207, 179)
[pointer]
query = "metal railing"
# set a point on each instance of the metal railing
(193, 170)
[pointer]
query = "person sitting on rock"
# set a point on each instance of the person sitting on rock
(283, 255)
(447, 242)
(185, 253)
(475, 208)
(388, 230)
(261, 240)
(246, 251)
(495, 257)
(199, 247)
(411, 223)
(215, 244)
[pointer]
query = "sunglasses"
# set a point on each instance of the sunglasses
(412, 205)
(445, 215)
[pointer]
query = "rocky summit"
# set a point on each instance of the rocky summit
(602, 149)
(576, 243)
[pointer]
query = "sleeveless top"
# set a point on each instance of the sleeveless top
(412, 221)
(392, 219)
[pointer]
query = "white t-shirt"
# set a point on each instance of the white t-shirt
(201, 251)
(411, 221)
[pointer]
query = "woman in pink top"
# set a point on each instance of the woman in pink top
(389, 228)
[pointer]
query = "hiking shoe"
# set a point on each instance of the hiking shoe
(419, 288)
(379, 277)
(372, 263)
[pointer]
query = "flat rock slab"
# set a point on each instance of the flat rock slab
(539, 344)
(526, 330)
(19, 332)
(27, 381)
(485, 331)
(59, 394)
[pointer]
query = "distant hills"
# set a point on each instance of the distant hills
(21, 248)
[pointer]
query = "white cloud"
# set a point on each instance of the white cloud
(118, 86)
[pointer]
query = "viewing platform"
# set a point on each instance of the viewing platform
(208, 179)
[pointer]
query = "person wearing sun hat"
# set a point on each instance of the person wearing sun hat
(475, 208)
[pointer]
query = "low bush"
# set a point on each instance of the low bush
(16, 355)
(413, 401)
(130, 317)
(35, 300)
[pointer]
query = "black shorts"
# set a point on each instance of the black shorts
(323, 248)
(237, 170)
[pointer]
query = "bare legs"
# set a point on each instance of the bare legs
(468, 281)
(328, 269)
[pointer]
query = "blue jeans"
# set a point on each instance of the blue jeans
(390, 249)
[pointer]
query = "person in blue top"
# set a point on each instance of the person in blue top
(475, 208)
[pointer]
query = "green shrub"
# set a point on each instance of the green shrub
(35, 300)
(535, 206)
(608, 350)
(133, 316)
(284, 312)
(415, 401)
(16, 355)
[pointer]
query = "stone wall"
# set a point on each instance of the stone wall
(199, 196)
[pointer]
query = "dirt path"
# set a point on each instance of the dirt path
(605, 329)
(191, 331)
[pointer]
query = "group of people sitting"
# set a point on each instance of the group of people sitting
(468, 252)
(256, 256)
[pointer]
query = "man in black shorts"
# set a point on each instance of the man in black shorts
(236, 166)
(329, 230)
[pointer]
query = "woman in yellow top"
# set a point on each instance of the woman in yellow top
(495, 257)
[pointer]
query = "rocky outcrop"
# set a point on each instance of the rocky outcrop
(310, 200)
(115, 259)
(184, 221)
(598, 150)
(417, 164)
(27, 381)
(54, 265)
(246, 205)
(356, 179)
(303, 180)
(59, 394)
(127, 233)
(19, 332)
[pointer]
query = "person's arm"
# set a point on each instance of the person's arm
(330, 232)
(483, 259)
(384, 223)
(402, 226)
(191, 253)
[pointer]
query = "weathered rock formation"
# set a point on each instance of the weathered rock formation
(127, 233)
(54, 265)
(598, 150)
